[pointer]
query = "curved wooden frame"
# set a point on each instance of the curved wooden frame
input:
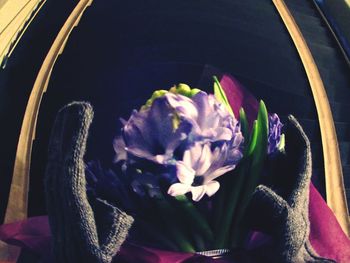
(336, 198)
(12, 33)
(18, 198)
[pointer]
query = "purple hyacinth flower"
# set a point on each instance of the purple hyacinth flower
(194, 140)
(274, 138)
(107, 184)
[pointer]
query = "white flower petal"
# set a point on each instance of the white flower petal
(205, 160)
(159, 158)
(212, 188)
(198, 192)
(209, 133)
(223, 133)
(238, 139)
(178, 189)
(184, 173)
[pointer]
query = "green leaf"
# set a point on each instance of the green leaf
(253, 138)
(244, 124)
(220, 95)
(256, 157)
(263, 129)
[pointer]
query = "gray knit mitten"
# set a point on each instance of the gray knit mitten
(83, 230)
(281, 206)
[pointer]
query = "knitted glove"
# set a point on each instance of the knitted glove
(281, 205)
(83, 230)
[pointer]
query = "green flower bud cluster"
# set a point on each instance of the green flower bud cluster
(182, 89)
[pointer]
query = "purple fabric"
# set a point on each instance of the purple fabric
(256, 240)
(326, 236)
(238, 97)
(32, 233)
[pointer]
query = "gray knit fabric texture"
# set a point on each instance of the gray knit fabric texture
(83, 230)
(287, 209)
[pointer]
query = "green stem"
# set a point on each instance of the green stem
(222, 236)
(238, 229)
(169, 218)
(219, 205)
(199, 242)
(156, 234)
(195, 219)
(235, 189)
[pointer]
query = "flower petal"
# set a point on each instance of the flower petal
(161, 120)
(184, 173)
(138, 133)
(119, 148)
(139, 153)
(274, 137)
(218, 172)
(192, 155)
(182, 105)
(204, 161)
(204, 109)
(212, 188)
(198, 192)
(223, 133)
(178, 189)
